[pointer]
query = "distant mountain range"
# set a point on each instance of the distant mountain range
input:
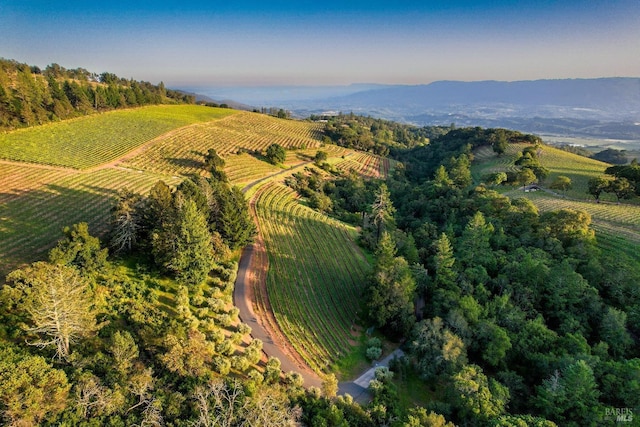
(606, 96)
(603, 107)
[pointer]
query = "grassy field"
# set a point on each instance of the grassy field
(93, 140)
(316, 273)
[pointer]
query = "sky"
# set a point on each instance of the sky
(276, 42)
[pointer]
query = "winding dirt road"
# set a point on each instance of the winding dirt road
(250, 286)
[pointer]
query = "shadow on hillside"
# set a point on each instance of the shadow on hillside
(303, 156)
(32, 222)
(258, 155)
(185, 162)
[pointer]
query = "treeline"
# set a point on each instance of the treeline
(377, 135)
(621, 180)
(31, 96)
(509, 316)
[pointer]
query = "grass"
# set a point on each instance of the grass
(93, 140)
(414, 391)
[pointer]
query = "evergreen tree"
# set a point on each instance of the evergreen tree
(474, 246)
(79, 249)
(192, 191)
(212, 161)
(230, 216)
(570, 397)
(391, 291)
(159, 210)
(127, 221)
(185, 246)
(276, 154)
(382, 210)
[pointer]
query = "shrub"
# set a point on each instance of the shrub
(374, 353)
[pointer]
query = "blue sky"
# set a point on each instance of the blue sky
(327, 42)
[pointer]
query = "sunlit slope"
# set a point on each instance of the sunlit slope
(89, 141)
(316, 275)
(614, 222)
(32, 222)
(182, 152)
(579, 168)
(38, 200)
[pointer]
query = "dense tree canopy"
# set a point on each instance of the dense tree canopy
(30, 96)
(276, 154)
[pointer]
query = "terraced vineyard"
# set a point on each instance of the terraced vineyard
(316, 274)
(366, 164)
(486, 161)
(37, 201)
(244, 168)
(16, 179)
(93, 140)
(314, 261)
(580, 169)
(181, 152)
(622, 220)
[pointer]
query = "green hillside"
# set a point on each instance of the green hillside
(93, 140)
(622, 220)
(39, 200)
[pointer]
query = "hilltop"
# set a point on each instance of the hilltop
(31, 96)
